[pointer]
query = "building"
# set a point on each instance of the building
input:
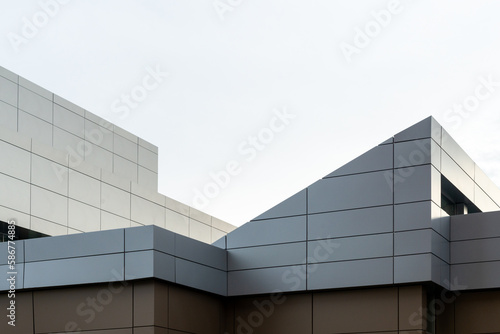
(403, 239)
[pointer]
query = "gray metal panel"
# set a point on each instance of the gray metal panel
(74, 245)
(98, 135)
(427, 128)
(440, 247)
(220, 243)
(149, 237)
(19, 277)
(148, 159)
(485, 275)
(483, 181)
(265, 232)
(115, 200)
(8, 74)
(483, 201)
(18, 249)
(456, 175)
(33, 127)
(412, 242)
(474, 226)
(267, 256)
(19, 161)
(293, 206)
(350, 274)
(451, 147)
(417, 152)
(350, 223)
(378, 158)
(49, 175)
(8, 116)
(147, 212)
(412, 216)
(197, 251)
(15, 194)
(440, 272)
(69, 121)
(35, 104)
(8, 91)
(150, 263)
(413, 184)
(125, 148)
(353, 248)
(350, 192)
(139, 264)
(475, 250)
(84, 188)
(80, 270)
(49, 205)
(278, 279)
(413, 268)
(200, 277)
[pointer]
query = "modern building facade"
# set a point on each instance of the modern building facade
(403, 239)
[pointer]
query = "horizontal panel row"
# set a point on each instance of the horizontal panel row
(478, 250)
(311, 277)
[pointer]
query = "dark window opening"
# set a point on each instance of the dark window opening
(21, 233)
(453, 201)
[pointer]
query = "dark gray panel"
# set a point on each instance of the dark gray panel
(417, 152)
(475, 226)
(451, 147)
(378, 158)
(293, 206)
(146, 264)
(19, 277)
(427, 128)
(412, 242)
(18, 250)
(149, 237)
(354, 248)
(413, 268)
(268, 280)
(266, 232)
(412, 216)
(440, 272)
(485, 275)
(81, 270)
(350, 274)
(139, 264)
(475, 251)
(413, 184)
(350, 192)
(200, 277)
(82, 244)
(440, 247)
(350, 223)
(197, 251)
(267, 256)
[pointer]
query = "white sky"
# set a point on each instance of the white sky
(229, 71)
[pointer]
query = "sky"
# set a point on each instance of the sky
(252, 101)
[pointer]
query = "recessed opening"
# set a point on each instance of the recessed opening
(453, 201)
(21, 233)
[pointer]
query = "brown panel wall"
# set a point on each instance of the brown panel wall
(194, 312)
(412, 308)
(477, 312)
(353, 311)
(95, 307)
(274, 314)
(23, 313)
